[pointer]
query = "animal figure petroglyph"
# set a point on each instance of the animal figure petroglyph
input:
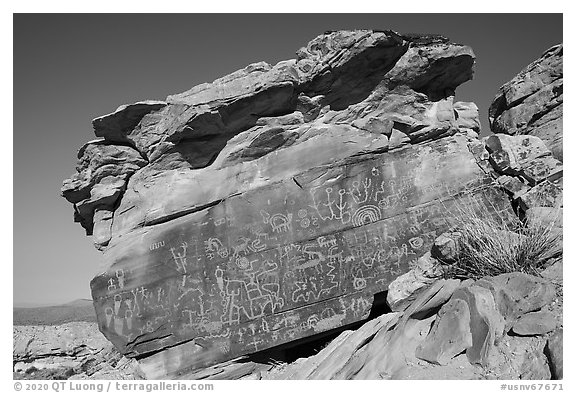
(279, 222)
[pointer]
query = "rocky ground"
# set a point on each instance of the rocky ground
(74, 350)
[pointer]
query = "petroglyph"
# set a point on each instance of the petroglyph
(180, 257)
(366, 214)
(276, 274)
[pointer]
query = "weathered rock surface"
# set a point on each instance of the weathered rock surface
(554, 351)
(486, 323)
(402, 290)
(518, 293)
(273, 204)
(534, 323)
(532, 102)
(450, 334)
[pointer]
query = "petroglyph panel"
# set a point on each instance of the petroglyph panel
(285, 261)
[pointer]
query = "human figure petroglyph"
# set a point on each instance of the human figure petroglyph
(117, 303)
(180, 257)
(111, 285)
(128, 317)
(245, 300)
(361, 190)
(120, 278)
(109, 313)
(219, 273)
(338, 209)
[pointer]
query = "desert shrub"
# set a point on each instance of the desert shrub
(493, 241)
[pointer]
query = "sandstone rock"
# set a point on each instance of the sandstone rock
(102, 173)
(553, 273)
(329, 362)
(531, 103)
(467, 117)
(554, 351)
(450, 334)
(513, 185)
(402, 289)
(273, 203)
(518, 293)
(545, 216)
(534, 323)
(545, 194)
(486, 323)
(540, 169)
(116, 125)
(445, 247)
(511, 154)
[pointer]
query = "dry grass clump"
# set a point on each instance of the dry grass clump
(494, 242)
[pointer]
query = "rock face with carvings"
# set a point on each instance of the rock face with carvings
(273, 203)
(532, 102)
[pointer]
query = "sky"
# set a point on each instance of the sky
(70, 68)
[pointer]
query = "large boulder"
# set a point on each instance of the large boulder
(273, 203)
(532, 102)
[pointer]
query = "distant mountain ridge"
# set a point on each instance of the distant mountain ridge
(80, 310)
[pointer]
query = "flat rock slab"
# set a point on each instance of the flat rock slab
(486, 323)
(282, 262)
(535, 323)
(450, 334)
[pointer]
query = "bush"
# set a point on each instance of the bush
(492, 242)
